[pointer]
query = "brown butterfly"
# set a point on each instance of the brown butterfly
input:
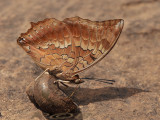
(66, 48)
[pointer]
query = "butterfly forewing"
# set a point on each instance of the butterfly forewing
(71, 45)
(46, 42)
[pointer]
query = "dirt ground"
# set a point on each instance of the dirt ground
(134, 62)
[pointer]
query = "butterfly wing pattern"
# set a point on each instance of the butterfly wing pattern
(70, 46)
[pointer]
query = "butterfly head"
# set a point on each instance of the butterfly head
(76, 79)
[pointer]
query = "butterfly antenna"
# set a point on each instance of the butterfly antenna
(101, 80)
(64, 84)
(41, 74)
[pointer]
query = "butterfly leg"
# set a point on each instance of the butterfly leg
(41, 74)
(75, 89)
(63, 81)
(64, 84)
(58, 86)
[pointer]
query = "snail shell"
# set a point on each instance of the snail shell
(46, 95)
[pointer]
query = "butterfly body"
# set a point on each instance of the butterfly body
(71, 46)
(67, 77)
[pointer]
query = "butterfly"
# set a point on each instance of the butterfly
(66, 48)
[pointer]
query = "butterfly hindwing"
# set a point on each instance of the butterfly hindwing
(95, 39)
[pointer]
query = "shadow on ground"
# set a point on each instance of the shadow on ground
(84, 96)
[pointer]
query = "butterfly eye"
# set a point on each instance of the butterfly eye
(21, 40)
(78, 81)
